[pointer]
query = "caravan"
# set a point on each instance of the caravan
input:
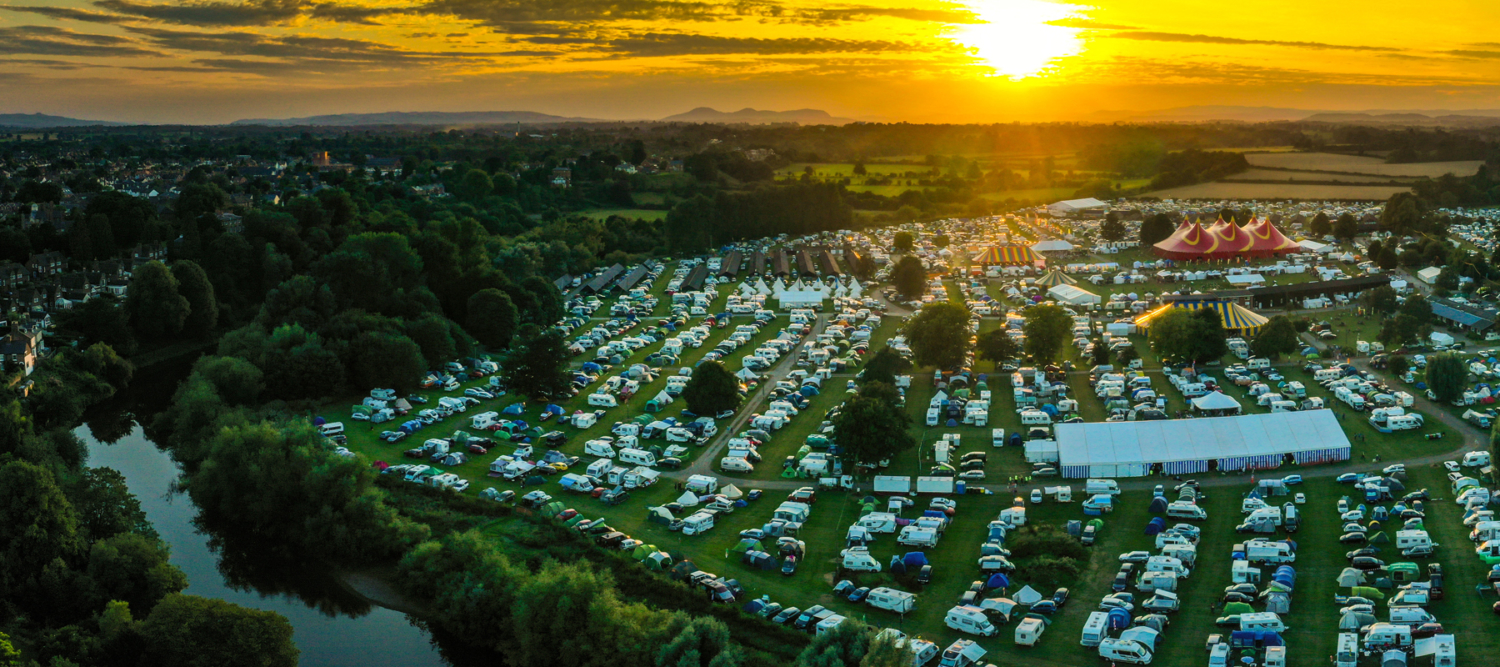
(699, 522)
(972, 620)
(1095, 629)
(891, 599)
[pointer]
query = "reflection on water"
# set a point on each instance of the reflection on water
(332, 626)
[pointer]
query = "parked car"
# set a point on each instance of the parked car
(786, 616)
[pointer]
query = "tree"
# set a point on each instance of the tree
(135, 569)
(156, 309)
(492, 318)
(1127, 355)
(1048, 328)
(105, 507)
(1345, 227)
(1188, 335)
(884, 652)
(203, 306)
(1388, 259)
(1156, 229)
(696, 644)
(187, 630)
(380, 359)
(37, 524)
(1446, 376)
(939, 334)
(996, 345)
(1320, 226)
(1402, 214)
(1112, 229)
(1381, 300)
(884, 365)
(859, 168)
(909, 278)
(475, 185)
(870, 427)
(712, 389)
(1100, 352)
(564, 614)
(1398, 365)
(1277, 337)
(1397, 331)
(431, 333)
(844, 646)
(1419, 309)
(903, 242)
(536, 365)
(103, 319)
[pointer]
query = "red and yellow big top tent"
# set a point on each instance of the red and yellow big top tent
(1225, 240)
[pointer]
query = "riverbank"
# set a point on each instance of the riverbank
(173, 352)
(377, 586)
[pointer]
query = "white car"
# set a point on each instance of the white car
(459, 486)
(1452, 466)
(478, 393)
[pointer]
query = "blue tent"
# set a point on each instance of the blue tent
(808, 390)
(591, 367)
(1050, 409)
(1158, 506)
(914, 559)
(937, 514)
(1015, 440)
(897, 567)
(998, 580)
(1157, 525)
(952, 423)
(319, 421)
(1118, 619)
(514, 408)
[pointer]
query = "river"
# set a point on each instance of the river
(332, 626)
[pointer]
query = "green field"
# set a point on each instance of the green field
(641, 213)
(1313, 619)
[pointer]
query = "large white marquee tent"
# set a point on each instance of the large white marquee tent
(1187, 446)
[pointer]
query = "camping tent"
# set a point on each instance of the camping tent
(998, 580)
(1055, 277)
(1156, 525)
(1238, 608)
(1118, 618)
(1028, 596)
(1217, 402)
(732, 492)
(688, 499)
(1051, 245)
(1233, 316)
(1355, 620)
(1142, 634)
(658, 560)
(744, 545)
(1278, 602)
(1158, 506)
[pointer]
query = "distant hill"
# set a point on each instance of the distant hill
(37, 121)
(1475, 118)
(418, 118)
(758, 117)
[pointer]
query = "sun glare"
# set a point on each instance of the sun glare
(1017, 39)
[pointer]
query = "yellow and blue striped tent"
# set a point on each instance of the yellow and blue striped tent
(1006, 255)
(1055, 277)
(1234, 316)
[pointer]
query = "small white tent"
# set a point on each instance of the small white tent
(687, 499)
(732, 492)
(1027, 596)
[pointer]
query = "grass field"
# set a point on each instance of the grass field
(641, 213)
(1356, 164)
(1313, 619)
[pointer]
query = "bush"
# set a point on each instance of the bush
(1039, 540)
(1049, 571)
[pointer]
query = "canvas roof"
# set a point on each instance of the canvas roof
(1146, 442)
(1215, 400)
(1027, 596)
(1073, 295)
(1052, 245)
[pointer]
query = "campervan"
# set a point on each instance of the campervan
(1166, 564)
(1381, 636)
(858, 559)
(1151, 582)
(1410, 615)
(1263, 551)
(598, 448)
(1476, 459)
(331, 429)
(735, 464)
(1187, 511)
(1108, 486)
(1126, 651)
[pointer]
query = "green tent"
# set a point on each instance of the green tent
(642, 551)
(1414, 524)
(1379, 538)
(577, 519)
(553, 508)
(1238, 608)
(1098, 524)
(982, 386)
(642, 420)
(362, 410)
(803, 451)
(657, 561)
(1367, 592)
(789, 473)
(817, 440)
(461, 437)
(961, 393)
(747, 544)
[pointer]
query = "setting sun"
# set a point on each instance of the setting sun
(1019, 39)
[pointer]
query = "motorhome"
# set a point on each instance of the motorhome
(917, 536)
(1166, 564)
(699, 522)
(879, 522)
(1410, 615)
(1381, 636)
(1107, 486)
(1476, 459)
(638, 457)
(598, 448)
(891, 599)
(1095, 629)
(1126, 651)
(858, 559)
(971, 620)
(1187, 511)
(1263, 551)
(1151, 582)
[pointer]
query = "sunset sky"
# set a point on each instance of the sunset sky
(887, 60)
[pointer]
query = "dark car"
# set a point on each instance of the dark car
(718, 592)
(924, 575)
(754, 494)
(554, 438)
(1060, 597)
(859, 594)
(1238, 597)
(1366, 563)
(1426, 630)
(1419, 494)
(786, 616)
(1244, 589)
(670, 463)
(1090, 533)
(807, 616)
(842, 588)
(969, 598)
(1122, 579)
(1366, 551)
(1230, 621)
(972, 465)
(789, 566)
(1435, 579)
(1045, 608)
(1352, 538)
(610, 539)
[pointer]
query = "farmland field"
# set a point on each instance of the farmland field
(642, 213)
(1356, 164)
(1275, 191)
(1315, 176)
